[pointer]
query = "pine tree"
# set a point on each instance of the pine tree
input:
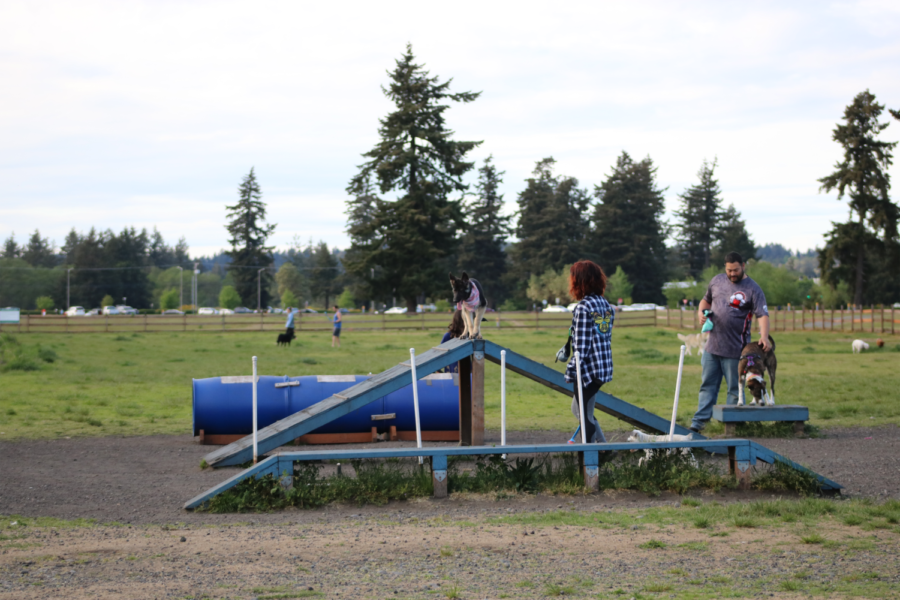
(732, 236)
(699, 218)
(552, 227)
(39, 251)
(628, 229)
(11, 249)
(409, 241)
(249, 252)
(863, 176)
(324, 274)
(482, 253)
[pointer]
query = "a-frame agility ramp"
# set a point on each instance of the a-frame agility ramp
(470, 354)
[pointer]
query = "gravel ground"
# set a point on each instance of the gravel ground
(416, 549)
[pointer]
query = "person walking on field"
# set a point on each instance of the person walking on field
(289, 325)
(733, 299)
(336, 334)
(591, 334)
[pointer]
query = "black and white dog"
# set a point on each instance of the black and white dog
(752, 368)
(468, 295)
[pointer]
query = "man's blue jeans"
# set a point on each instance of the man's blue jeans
(714, 368)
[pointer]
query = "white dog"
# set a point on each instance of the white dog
(859, 346)
(695, 340)
(640, 436)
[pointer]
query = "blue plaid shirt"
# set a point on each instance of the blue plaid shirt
(592, 325)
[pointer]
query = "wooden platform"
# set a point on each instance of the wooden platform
(731, 415)
(742, 455)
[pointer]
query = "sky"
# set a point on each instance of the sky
(148, 114)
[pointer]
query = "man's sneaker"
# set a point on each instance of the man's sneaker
(694, 429)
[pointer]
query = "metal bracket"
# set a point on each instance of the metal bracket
(479, 356)
(743, 465)
(592, 471)
(439, 475)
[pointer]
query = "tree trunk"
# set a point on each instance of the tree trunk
(860, 261)
(411, 305)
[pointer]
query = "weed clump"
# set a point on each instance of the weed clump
(783, 478)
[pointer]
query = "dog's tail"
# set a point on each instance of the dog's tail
(771, 339)
(682, 337)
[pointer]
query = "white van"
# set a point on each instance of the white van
(75, 311)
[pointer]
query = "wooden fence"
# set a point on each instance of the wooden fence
(864, 320)
(869, 320)
(302, 322)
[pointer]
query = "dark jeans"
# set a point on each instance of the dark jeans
(713, 369)
(592, 431)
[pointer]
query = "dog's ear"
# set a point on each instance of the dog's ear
(465, 277)
(452, 278)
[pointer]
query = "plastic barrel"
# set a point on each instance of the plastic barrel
(224, 405)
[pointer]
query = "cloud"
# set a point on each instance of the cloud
(149, 113)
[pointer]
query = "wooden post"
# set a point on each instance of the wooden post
(892, 319)
(439, 476)
(803, 318)
(383, 321)
(872, 311)
(739, 466)
(793, 320)
(681, 319)
(852, 320)
(667, 316)
(465, 402)
(590, 465)
(799, 428)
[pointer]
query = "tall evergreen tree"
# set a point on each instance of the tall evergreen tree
(552, 226)
(249, 252)
(863, 176)
(628, 229)
(732, 236)
(39, 251)
(699, 218)
(324, 274)
(410, 240)
(11, 248)
(482, 253)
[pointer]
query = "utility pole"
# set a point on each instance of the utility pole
(180, 287)
(68, 287)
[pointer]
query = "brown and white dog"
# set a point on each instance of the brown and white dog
(752, 368)
(468, 295)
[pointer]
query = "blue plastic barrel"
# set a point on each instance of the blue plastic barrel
(224, 405)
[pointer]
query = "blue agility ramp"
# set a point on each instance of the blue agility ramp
(742, 453)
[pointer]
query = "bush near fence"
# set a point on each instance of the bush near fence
(870, 320)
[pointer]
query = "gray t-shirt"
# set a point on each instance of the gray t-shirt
(733, 307)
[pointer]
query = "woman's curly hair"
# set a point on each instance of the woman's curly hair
(586, 278)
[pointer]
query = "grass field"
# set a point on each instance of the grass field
(138, 384)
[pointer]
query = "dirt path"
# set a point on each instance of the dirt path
(146, 480)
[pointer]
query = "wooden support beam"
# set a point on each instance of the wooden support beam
(591, 470)
(478, 398)
(439, 476)
(739, 465)
(465, 402)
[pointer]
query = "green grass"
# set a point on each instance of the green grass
(141, 384)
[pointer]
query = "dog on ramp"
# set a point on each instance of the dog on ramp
(752, 368)
(639, 436)
(468, 295)
(695, 340)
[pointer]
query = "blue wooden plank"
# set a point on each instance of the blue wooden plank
(741, 414)
(764, 454)
(616, 407)
(258, 470)
(284, 431)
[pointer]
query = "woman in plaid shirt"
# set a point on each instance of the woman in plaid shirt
(592, 324)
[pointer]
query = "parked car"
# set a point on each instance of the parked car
(207, 310)
(111, 310)
(124, 309)
(555, 308)
(94, 312)
(172, 311)
(308, 311)
(397, 310)
(275, 311)
(75, 311)
(226, 311)
(238, 310)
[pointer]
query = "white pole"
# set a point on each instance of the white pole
(580, 397)
(677, 394)
(503, 398)
(255, 379)
(415, 386)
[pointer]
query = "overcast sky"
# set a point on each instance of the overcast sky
(148, 114)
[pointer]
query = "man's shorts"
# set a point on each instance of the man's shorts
(336, 332)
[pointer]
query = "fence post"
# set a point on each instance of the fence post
(423, 321)
(667, 316)
(262, 317)
(872, 310)
(537, 320)
(383, 321)
(681, 319)
(892, 319)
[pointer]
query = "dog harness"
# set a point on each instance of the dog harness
(751, 361)
(472, 303)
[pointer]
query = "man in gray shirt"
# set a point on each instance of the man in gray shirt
(733, 299)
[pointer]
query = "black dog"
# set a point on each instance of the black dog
(284, 339)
